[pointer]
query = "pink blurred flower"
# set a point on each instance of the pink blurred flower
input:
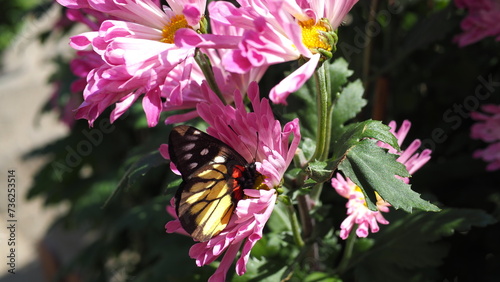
(274, 32)
(258, 137)
(487, 129)
(481, 21)
(137, 49)
(63, 101)
(357, 211)
(64, 104)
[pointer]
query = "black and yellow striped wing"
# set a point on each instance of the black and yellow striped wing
(214, 176)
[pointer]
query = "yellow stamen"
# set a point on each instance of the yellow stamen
(311, 36)
(177, 22)
(259, 183)
(380, 201)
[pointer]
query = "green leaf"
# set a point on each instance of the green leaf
(320, 171)
(373, 169)
(138, 217)
(339, 72)
(137, 170)
(354, 133)
(348, 104)
(411, 244)
(261, 270)
(321, 276)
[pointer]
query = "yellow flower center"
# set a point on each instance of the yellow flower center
(177, 22)
(380, 201)
(259, 183)
(311, 34)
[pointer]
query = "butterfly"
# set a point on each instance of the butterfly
(214, 176)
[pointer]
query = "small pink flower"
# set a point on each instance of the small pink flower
(137, 48)
(487, 129)
(258, 137)
(491, 155)
(481, 21)
(488, 126)
(357, 211)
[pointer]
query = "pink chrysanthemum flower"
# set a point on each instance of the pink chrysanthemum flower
(138, 50)
(258, 137)
(192, 95)
(357, 211)
(481, 21)
(274, 32)
(487, 129)
(81, 65)
(228, 82)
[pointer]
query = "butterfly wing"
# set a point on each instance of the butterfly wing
(204, 200)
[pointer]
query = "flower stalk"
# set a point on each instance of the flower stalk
(295, 226)
(346, 258)
(324, 104)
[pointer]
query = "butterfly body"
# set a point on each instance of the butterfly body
(214, 176)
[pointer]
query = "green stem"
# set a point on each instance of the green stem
(349, 246)
(206, 68)
(324, 104)
(304, 215)
(295, 226)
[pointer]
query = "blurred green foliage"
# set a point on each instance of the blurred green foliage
(13, 16)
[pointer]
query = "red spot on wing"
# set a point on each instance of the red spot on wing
(237, 176)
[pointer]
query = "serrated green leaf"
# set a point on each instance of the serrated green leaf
(354, 133)
(348, 104)
(410, 244)
(321, 171)
(339, 72)
(373, 169)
